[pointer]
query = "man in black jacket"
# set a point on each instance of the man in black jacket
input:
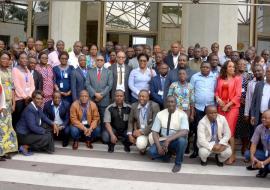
(57, 110)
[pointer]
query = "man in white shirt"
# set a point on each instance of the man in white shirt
(74, 55)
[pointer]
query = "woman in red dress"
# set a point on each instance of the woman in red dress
(228, 93)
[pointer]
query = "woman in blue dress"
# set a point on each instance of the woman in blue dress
(62, 77)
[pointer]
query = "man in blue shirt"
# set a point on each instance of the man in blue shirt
(204, 84)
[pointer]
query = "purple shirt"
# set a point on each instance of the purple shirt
(262, 133)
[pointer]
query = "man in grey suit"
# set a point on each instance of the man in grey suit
(120, 73)
(141, 119)
(78, 78)
(99, 83)
(261, 99)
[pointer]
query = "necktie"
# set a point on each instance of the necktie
(99, 74)
(168, 123)
(120, 77)
(162, 83)
(213, 131)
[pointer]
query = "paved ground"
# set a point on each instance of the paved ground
(97, 169)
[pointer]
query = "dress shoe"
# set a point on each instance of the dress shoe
(193, 155)
(25, 151)
(127, 148)
(262, 173)
(176, 168)
(250, 168)
(111, 148)
(2, 158)
(65, 143)
(75, 145)
(219, 164)
(203, 163)
(7, 156)
(89, 144)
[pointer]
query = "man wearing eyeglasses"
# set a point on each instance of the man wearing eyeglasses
(120, 72)
(99, 83)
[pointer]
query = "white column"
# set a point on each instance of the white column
(205, 24)
(66, 22)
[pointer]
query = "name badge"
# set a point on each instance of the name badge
(160, 93)
(142, 126)
(61, 85)
(266, 153)
(125, 118)
(84, 122)
(243, 90)
(27, 89)
(65, 75)
(185, 105)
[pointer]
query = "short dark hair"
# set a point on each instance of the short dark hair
(57, 92)
(63, 53)
(170, 96)
(37, 92)
(143, 55)
(144, 90)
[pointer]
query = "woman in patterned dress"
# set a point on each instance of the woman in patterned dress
(242, 129)
(46, 71)
(8, 138)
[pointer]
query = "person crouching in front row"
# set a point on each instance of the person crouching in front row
(34, 129)
(169, 134)
(141, 119)
(213, 137)
(84, 118)
(116, 122)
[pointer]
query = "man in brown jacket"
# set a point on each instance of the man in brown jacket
(84, 118)
(141, 119)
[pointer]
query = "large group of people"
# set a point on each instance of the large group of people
(161, 101)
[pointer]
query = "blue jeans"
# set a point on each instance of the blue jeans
(178, 146)
(260, 155)
(76, 134)
(64, 133)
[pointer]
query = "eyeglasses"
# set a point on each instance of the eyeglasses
(100, 59)
(64, 58)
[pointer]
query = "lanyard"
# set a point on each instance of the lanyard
(85, 111)
(143, 115)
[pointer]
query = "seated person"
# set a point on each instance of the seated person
(141, 119)
(213, 137)
(34, 128)
(57, 110)
(84, 118)
(260, 159)
(116, 122)
(169, 133)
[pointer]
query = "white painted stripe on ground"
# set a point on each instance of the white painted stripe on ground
(134, 165)
(93, 183)
(119, 148)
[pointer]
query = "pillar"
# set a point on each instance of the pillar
(68, 22)
(205, 24)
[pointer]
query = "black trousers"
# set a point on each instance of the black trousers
(16, 115)
(38, 142)
(122, 136)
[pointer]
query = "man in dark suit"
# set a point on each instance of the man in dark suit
(172, 59)
(34, 128)
(57, 110)
(78, 78)
(36, 75)
(261, 99)
(173, 74)
(99, 83)
(141, 119)
(120, 73)
(157, 85)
